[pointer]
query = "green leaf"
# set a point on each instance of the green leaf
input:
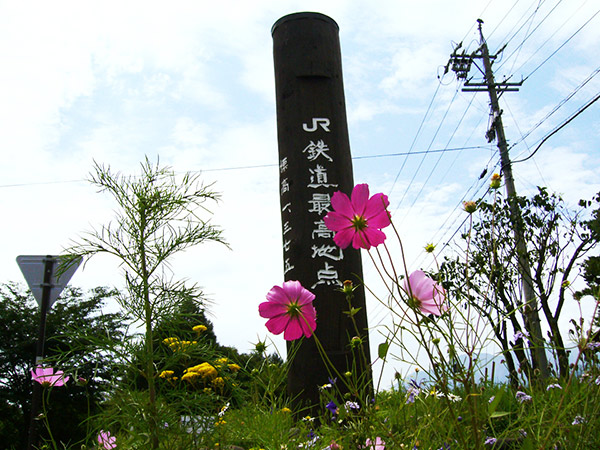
(352, 312)
(383, 349)
(527, 444)
(493, 405)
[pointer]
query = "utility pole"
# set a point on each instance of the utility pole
(461, 64)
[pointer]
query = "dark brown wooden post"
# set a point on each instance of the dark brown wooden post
(314, 162)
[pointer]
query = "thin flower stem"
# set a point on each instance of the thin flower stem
(571, 376)
(401, 248)
(393, 278)
(46, 421)
(377, 268)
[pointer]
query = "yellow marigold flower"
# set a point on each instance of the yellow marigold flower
(233, 367)
(218, 382)
(204, 369)
(166, 374)
(186, 344)
(286, 410)
(170, 340)
(189, 376)
(207, 390)
(200, 329)
(208, 371)
(219, 422)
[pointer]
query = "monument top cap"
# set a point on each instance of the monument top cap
(304, 15)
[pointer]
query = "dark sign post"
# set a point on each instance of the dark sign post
(314, 162)
(41, 274)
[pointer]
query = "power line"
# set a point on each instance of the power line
(416, 135)
(441, 155)
(559, 105)
(425, 155)
(503, 18)
(556, 30)
(421, 152)
(527, 36)
(457, 211)
(560, 127)
(526, 20)
(563, 44)
(262, 166)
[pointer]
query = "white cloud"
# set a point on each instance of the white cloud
(194, 83)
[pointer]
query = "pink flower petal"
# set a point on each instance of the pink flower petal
(278, 295)
(371, 210)
(342, 205)
(305, 298)
(44, 371)
(278, 324)
(374, 236)
(293, 331)
(336, 221)
(429, 307)
(414, 279)
(271, 309)
(430, 295)
(359, 240)
(360, 197)
(293, 289)
(290, 310)
(368, 238)
(343, 238)
(308, 324)
(376, 205)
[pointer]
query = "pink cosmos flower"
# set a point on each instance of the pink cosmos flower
(358, 220)
(46, 376)
(106, 440)
(426, 294)
(290, 310)
(377, 445)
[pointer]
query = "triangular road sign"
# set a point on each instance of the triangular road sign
(33, 267)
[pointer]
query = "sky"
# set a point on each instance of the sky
(192, 84)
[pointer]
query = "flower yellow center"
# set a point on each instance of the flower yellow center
(414, 302)
(359, 223)
(294, 309)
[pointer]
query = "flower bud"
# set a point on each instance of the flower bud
(470, 206)
(347, 287)
(355, 342)
(260, 347)
(429, 248)
(495, 184)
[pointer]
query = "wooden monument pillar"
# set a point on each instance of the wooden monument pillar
(314, 162)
